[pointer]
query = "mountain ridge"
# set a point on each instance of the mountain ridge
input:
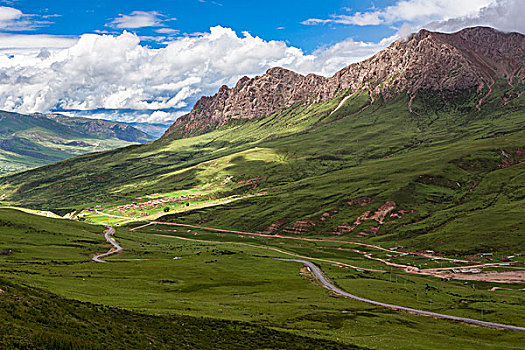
(100, 127)
(469, 59)
(33, 140)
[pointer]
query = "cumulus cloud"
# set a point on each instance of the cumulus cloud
(139, 19)
(116, 73)
(413, 11)
(506, 15)
(8, 14)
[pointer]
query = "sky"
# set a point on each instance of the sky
(150, 61)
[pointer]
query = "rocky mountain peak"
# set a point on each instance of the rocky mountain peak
(469, 59)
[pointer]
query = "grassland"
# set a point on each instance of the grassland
(230, 280)
(446, 177)
(40, 254)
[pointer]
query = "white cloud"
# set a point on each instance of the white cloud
(138, 19)
(106, 72)
(413, 11)
(8, 14)
(329, 60)
(13, 19)
(405, 31)
(35, 41)
(167, 31)
(159, 117)
(358, 18)
(506, 15)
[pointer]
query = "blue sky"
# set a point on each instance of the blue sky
(270, 19)
(150, 61)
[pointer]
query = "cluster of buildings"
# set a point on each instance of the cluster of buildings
(153, 203)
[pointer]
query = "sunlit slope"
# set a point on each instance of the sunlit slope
(442, 161)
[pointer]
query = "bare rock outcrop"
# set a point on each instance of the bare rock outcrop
(469, 59)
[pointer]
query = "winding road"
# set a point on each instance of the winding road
(116, 247)
(316, 271)
(322, 278)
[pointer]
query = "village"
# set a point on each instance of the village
(140, 206)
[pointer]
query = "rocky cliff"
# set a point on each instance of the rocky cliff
(469, 59)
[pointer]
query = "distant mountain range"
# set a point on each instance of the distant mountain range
(153, 129)
(29, 141)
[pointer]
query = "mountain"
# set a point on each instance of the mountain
(28, 141)
(410, 147)
(153, 129)
(402, 178)
(469, 59)
(103, 129)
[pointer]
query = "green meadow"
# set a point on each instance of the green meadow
(169, 277)
(445, 178)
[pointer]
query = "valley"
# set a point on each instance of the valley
(380, 208)
(194, 270)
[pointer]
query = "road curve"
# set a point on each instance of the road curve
(322, 278)
(116, 247)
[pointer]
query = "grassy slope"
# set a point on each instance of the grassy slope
(36, 250)
(446, 162)
(222, 278)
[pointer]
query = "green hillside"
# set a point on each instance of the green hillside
(306, 169)
(29, 141)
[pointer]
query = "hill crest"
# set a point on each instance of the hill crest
(469, 59)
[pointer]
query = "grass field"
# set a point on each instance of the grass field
(446, 178)
(232, 278)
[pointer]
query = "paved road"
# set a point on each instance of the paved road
(322, 278)
(116, 247)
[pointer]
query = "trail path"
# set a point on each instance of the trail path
(435, 272)
(271, 248)
(305, 239)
